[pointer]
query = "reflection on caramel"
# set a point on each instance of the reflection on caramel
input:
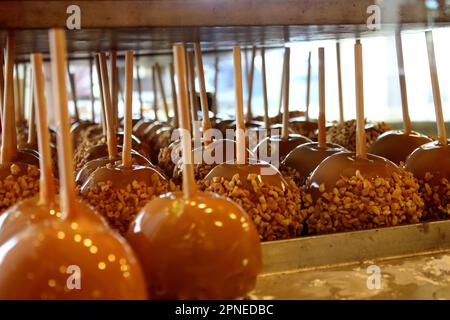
(140, 127)
(277, 144)
(28, 156)
(306, 157)
(201, 247)
(85, 172)
(151, 130)
(121, 177)
(30, 211)
(396, 146)
(432, 157)
(345, 164)
(46, 259)
(265, 173)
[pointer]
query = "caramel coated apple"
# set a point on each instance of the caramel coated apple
(74, 259)
(306, 157)
(396, 145)
(201, 247)
(276, 144)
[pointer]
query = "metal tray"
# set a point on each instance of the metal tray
(413, 260)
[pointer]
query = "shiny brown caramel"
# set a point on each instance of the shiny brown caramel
(306, 157)
(281, 146)
(150, 131)
(345, 164)
(121, 177)
(432, 157)
(74, 259)
(396, 146)
(140, 126)
(29, 212)
(265, 173)
(93, 165)
(201, 247)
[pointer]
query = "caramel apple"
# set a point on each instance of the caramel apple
(163, 228)
(353, 191)
(19, 174)
(430, 163)
(271, 201)
(306, 157)
(119, 190)
(396, 145)
(75, 256)
(286, 142)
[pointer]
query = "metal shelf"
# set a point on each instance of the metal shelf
(153, 26)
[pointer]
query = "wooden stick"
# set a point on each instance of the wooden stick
(155, 93)
(216, 84)
(102, 99)
(189, 186)
(308, 87)
(264, 89)
(17, 97)
(91, 79)
(191, 85)
(47, 182)
(110, 128)
(240, 124)
(174, 96)
(114, 81)
(361, 146)
(9, 144)
(246, 66)
(339, 78)
(126, 151)
(74, 93)
(442, 135)
(163, 92)
(22, 90)
(402, 80)
(68, 197)
(31, 140)
(280, 101)
(2, 84)
(322, 131)
(285, 128)
(250, 85)
(139, 87)
(206, 123)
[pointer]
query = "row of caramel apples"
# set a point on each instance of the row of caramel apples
(211, 227)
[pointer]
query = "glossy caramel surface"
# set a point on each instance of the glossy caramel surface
(202, 247)
(345, 164)
(396, 146)
(277, 144)
(432, 157)
(44, 261)
(306, 157)
(121, 177)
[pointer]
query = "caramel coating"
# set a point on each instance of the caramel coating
(283, 147)
(77, 130)
(140, 127)
(430, 164)
(431, 157)
(202, 247)
(306, 157)
(93, 165)
(121, 177)
(29, 212)
(45, 260)
(345, 164)
(396, 146)
(305, 128)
